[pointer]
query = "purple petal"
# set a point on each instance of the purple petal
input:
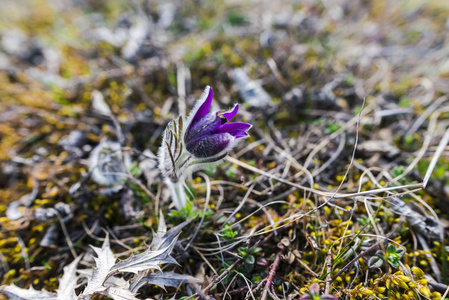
(206, 98)
(239, 134)
(230, 127)
(231, 114)
(306, 297)
(209, 146)
(202, 127)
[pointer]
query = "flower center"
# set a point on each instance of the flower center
(222, 118)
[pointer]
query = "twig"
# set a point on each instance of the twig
(372, 248)
(205, 260)
(4, 262)
(425, 115)
(141, 185)
(25, 255)
(259, 285)
(274, 68)
(242, 289)
(329, 272)
(199, 291)
(439, 287)
(241, 202)
(422, 151)
(348, 125)
(233, 292)
(118, 129)
(271, 275)
(118, 241)
(273, 294)
(135, 181)
(66, 234)
(445, 293)
(217, 279)
(334, 156)
(430, 257)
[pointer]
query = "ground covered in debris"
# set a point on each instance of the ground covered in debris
(349, 107)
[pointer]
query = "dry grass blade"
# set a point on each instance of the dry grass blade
(441, 146)
(320, 192)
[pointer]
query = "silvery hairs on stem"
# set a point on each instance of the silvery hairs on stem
(201, 139)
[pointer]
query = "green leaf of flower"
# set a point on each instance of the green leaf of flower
(400, 253)
(250, 260)
(391, 249)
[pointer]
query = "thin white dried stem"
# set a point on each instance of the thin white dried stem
(242, 203)
(423, 150)
(441, 146)
(24, 251)
(437, 103)
(319, 192)
(332, 136)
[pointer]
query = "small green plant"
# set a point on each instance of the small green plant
(248, 254)
(249, 262)
(186, 213)
(236, 18)
(392, 256)
(398, 170)
(365, 221)
(229, 276)
(409, 142)
(331, 127)
(229, 232)
(405, 102)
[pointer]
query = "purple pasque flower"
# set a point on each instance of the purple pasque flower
(210, 134)
(206, 138)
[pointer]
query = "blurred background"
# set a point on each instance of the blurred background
(300, 69)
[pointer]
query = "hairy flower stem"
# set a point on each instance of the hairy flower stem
(177, 193)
